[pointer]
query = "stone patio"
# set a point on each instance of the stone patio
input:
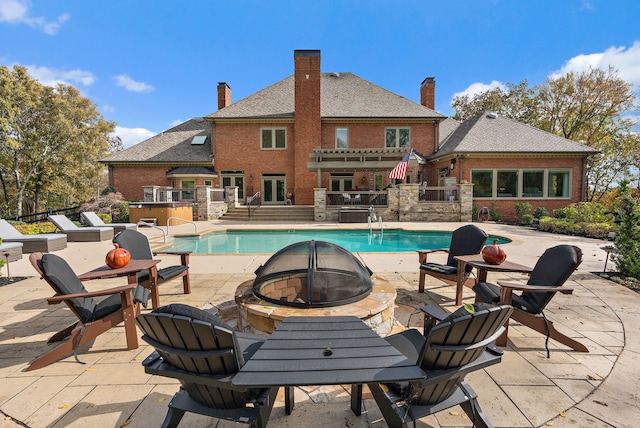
(525, 390)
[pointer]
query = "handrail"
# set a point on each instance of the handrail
(372, 217)
(146, 224)
(250, 202)
(182, 220)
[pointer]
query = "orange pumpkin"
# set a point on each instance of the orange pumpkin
(118, 257)
(493, 254)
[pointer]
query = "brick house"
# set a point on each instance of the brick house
(340, 132)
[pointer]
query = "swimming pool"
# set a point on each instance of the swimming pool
(354, 240)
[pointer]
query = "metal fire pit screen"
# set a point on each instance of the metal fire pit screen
(312, 274)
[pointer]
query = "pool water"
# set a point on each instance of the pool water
(271, 241)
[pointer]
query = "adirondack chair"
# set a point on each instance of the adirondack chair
(120, 304)
(459, 344)
(549, 274)
(197, 348)
(466, 240)
(138, 245)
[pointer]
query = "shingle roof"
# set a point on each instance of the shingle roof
(341, 95)
(172, 146)
(488, 133)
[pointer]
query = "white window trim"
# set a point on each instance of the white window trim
(397, 129)
(273, 139)
(545, 182)
(346, 130)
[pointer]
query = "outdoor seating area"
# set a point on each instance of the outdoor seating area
(80, 234)
(43, 242)
(93, 220)
(351, 383)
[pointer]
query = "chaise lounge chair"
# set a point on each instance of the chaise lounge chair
(466, 240)
(93, 220)
(81, 234)
(95, 316)
(42, 243)
(458, 345)
(549, 274)
(198, 349)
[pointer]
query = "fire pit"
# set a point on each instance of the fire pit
(314, 278)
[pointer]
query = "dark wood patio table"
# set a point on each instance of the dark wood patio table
(334, 350)
(483, 267)
(130, 271)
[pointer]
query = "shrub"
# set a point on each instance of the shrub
(474, 211)
(494, 213)
(627, 239)
(107, 190)
(540, 212)
(526, 219)
(560, 213)
(522, 209)
(35, 228)
(124, 212)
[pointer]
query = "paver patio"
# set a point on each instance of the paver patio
(526, 390)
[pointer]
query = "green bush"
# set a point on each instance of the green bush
(522, 209)
(526, 219)
(567, 227)
(474, 211)
(35, 228)
(107, 190)
(627, 239)
(106, 218)
(540, 212)
(560, 213)
(494, 213)
(124, 212)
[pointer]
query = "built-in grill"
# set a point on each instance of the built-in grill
(312, 274)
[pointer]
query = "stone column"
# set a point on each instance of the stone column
(466, 201)
(320, 204)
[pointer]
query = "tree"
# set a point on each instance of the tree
(586, 107)
(627, 239)
(51, 140)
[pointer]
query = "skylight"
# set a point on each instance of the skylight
(198, 140)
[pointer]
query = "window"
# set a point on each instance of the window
(342, 138)
(397, 137)
(532, 184)
(558, 184)
(521, 183)
(507, 184)
(342, 183)
(482, 184)
(273, 138)
(187, 195)
(208, 183)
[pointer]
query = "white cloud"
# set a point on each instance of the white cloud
(131, 85)
(51, 76)
(17, 12)
(625, 60)
(478, 88)
(176, 123)
(108, 109)
(132, 136)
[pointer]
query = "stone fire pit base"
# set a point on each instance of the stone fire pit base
(257, 316)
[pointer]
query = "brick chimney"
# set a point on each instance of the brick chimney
(428, 92)
(224, 95)
(307, 124)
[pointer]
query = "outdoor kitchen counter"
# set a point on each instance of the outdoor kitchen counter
(337, 350)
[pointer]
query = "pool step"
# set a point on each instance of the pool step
(267, 213)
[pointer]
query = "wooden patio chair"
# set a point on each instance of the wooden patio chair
(549, 274)
(465, 241)
(195, 347)
(138, 245)
(119, 304)
(456, 346)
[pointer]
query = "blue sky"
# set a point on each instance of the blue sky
(150, 65)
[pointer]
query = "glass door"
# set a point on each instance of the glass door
(234, 180)
(273, 190)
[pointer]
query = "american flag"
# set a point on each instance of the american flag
(400, 171)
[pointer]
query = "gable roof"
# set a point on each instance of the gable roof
(342, 95)
(488, 133)
(171, 146)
